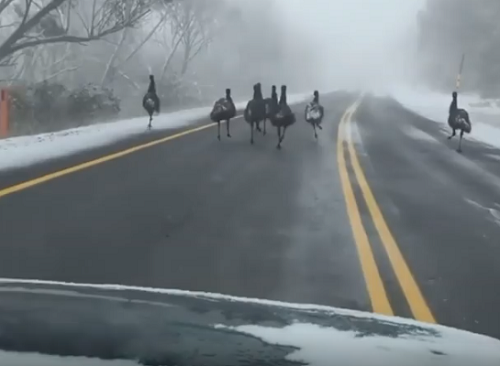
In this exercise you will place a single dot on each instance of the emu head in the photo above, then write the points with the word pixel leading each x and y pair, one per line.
pixel 257 91
pixel 283 90
pixel 228 93
pixel 283 95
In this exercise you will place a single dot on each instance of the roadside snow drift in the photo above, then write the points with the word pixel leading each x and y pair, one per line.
pixel 485 115
pixel 27 150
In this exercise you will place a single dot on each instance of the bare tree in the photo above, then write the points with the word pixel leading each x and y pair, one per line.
pixel 114 63
pixel 190 28
pixel 63 21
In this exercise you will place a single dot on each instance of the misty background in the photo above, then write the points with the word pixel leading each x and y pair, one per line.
pixel 69 63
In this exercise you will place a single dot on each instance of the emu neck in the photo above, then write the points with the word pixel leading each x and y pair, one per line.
pixel 453 105
pixel 152 87
pixel 283 99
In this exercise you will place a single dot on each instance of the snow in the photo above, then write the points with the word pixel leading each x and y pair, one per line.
pixel 318 345
pixel 434 106
pixel 216 296
pixel 420 135
pixel 28 150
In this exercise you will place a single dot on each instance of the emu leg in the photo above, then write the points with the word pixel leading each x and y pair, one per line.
pixel 460 141
pixel 279 138
pixel 315 133
pixel 251 132
pixel 452 134
pixel 150 121
pixel 264 132
pixel 282 137
pixel 218 130
pixel 228 128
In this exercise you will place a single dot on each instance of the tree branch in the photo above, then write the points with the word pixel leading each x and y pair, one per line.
pixel 4 4
pixel 6 48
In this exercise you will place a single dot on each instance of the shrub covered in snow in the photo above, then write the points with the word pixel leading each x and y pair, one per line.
pixel 92 102
pixel 49 106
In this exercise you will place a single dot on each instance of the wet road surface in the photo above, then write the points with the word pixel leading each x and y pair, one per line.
pixel 384 216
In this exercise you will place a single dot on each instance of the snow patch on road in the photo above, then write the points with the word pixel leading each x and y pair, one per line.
pixel 23 151
pixel 417 134
pixel 494 213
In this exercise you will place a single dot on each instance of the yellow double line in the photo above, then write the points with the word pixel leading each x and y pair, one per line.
pixel 375 286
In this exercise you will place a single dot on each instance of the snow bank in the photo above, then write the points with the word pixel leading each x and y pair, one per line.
pixel 27 150
pixel 317 346
pixel 434 106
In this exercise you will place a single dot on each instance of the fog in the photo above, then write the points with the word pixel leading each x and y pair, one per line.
pixel 323 44
pixel 357 44
pixel 314 44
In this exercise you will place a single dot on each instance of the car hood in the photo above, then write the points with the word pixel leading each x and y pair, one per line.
pixel 51 323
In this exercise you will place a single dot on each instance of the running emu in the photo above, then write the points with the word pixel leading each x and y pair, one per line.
pixel 151 102
pixel 255 110
pixel 224 109
pixel 458 119
pixel 271 106
pixel 284 118
pixel 314 113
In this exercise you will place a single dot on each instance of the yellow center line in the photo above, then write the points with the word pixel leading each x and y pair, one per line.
pixel 411 290
pixel 106 158
pixel 376 291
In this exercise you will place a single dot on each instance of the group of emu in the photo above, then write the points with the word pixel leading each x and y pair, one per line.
pixel 259 109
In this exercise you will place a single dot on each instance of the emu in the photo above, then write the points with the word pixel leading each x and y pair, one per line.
pixel 255 111
pixel 284 118
pixel 314 113
pixel 223 110
pixel 458 119
pixel 151 102
pixel 271 106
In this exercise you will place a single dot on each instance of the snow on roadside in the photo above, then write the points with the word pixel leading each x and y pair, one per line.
pixel 434 106
pixel 27 150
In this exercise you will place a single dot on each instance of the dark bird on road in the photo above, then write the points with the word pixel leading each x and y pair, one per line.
pixel 284 118
pixel 271 106
pixel 314 113
pixel 255 110
pixel 223 110
pixel 151 102
pixel 458 119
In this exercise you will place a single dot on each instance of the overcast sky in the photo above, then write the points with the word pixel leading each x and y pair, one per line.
pixel 359 43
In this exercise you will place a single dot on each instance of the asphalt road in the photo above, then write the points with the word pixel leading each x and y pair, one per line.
pixel 384 216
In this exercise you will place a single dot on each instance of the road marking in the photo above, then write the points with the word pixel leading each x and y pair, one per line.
pixel 91 163
pixel 411 290
pixel 376 291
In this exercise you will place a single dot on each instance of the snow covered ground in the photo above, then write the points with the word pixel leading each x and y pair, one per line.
pixel 432 105
pixel 27 150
